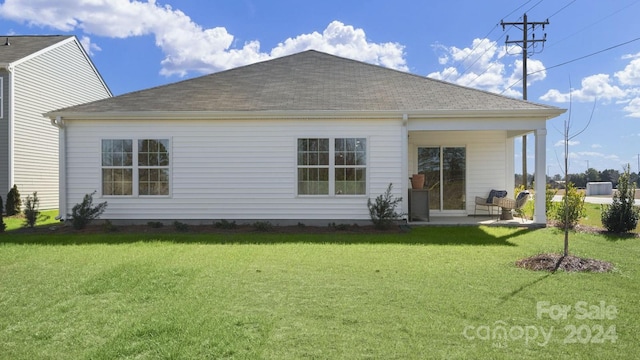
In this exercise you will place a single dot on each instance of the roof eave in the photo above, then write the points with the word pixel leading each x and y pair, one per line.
pixel 547 113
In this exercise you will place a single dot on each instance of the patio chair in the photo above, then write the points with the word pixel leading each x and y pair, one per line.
pixel 489 201
pixel 508 205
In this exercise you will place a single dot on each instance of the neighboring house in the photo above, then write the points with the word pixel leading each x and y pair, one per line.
pixel 305 138
pixel 39 74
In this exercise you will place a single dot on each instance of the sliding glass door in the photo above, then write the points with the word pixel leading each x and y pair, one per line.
pixel 445 173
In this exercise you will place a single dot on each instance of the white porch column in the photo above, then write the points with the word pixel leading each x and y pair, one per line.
pixel 539 216
pixel 404 183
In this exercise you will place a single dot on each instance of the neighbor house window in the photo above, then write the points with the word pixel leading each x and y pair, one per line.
pixel 145 160
pixel 332 166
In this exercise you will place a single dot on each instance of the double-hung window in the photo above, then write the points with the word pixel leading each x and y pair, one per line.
pixel 336 166
pixel 135 167
pixel 153 167
pixel 313 166
pixel 117 167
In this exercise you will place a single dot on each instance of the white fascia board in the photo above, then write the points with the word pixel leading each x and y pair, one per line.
pixel 313 114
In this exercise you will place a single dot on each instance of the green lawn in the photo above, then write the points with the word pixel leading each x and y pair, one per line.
pixel 593 217
pixel 47 217
pixel 431 293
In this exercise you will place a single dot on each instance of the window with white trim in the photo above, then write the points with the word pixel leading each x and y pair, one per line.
pixel 313 166
pixel 332 166
pixel 145 160
pixel 117 167
pixel 153 167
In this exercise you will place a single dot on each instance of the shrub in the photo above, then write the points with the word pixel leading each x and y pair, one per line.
pixel 383 210
pixel 339 227
pixel 31 210
pixel 109 227
pixel 225 224
pixel 14 202
pixel 155 224
pixel 263 226
pixel 3 226
pixel 82 214
pixel 180 226
pixel 574 205
pixel 622 216
pixel 548 199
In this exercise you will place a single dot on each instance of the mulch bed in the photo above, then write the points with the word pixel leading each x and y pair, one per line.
pixel 554 262
pixel 210 229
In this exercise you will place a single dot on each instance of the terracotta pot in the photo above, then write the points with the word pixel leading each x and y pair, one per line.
pixel 417 181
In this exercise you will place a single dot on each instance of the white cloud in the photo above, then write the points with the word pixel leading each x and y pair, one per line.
pixel 487 66
pixel 622 88
pixel 88 46
pixel 633 108
pixel 185 44
pixel 593 87
pixel 596 146
pixel 631 73
pixel 630 56
pixel 571 143
pixel 346 41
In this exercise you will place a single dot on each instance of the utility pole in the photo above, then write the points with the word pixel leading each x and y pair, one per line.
pixel 526 44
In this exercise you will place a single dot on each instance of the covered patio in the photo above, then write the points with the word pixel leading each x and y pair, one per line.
pixel 462 162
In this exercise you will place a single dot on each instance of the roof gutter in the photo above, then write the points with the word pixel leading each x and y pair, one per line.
pixel 297 114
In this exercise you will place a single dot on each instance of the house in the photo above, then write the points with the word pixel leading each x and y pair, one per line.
pixel 39 74
pixel 306 138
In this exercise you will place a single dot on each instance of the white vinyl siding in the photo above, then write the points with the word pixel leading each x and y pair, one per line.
pixel 240 169
pixel 486 155
pixel 1 98
pixel 57 78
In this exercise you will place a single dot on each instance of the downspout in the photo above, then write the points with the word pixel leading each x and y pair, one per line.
pixel 62 168
pixel 404 134
pixel 10 125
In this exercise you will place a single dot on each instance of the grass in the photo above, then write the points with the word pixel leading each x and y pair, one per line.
pixel 434 292
pixel 47 217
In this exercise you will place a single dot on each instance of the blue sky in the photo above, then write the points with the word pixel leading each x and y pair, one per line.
pixel 140 44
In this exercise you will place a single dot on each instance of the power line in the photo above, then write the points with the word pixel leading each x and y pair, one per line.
pixel 534 6
pixel 494 63
pixel 472 51
pixel 590 25
pixel 488 67
pixel 518 8
pixel 525 44
pixel 564 7
pixel 481 42
pixel 574 60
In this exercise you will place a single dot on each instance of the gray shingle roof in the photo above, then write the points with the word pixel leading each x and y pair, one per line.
pixel 308 81
pixel 23 46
